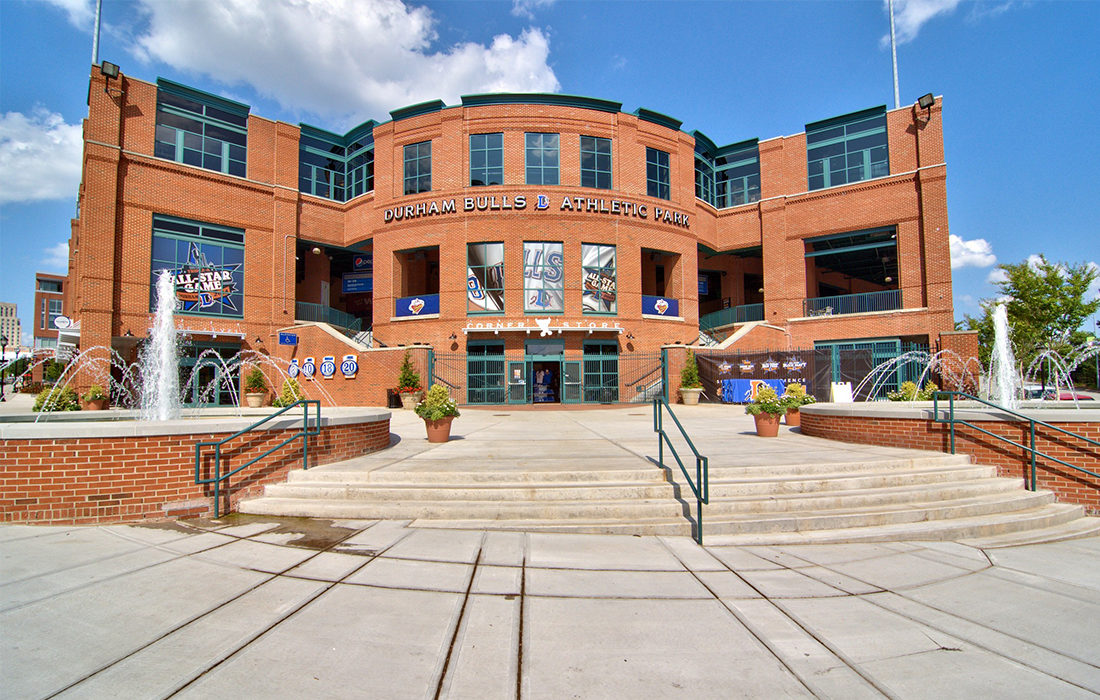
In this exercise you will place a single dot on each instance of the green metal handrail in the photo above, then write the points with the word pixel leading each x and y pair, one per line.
pixel 701 486
pixel 218 477
pixel 950 395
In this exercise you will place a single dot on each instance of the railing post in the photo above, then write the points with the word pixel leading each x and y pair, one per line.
pixel 305 436
pixel 217 480
pixel 951 417
pixel 1033 487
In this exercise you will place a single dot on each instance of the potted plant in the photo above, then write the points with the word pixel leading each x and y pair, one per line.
pixel 438 410
pixel 408 384
pixel 690 386
pixel 290 394
pixel 794 398
pixel 94 399
pixel 255 388
pixel 766 408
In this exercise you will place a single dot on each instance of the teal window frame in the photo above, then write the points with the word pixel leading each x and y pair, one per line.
pixel 704 180
pixel 542 158
pixel 544 271
pixel 360 167
pixel 737 177
pixel 601 371
pixel 595 162
pixel 473 309
pixel 847 149
pixel 211 237
pixel 486 372
pixel 600 271
pixel 330 167
pixel 418 167
pixel 202 130
pixel 486 159
pixel 657 173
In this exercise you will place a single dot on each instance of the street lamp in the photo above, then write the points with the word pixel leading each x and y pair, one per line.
pixel 3 365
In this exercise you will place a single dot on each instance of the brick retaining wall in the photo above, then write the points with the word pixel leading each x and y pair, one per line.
pixel 112 479
pixel 1069 486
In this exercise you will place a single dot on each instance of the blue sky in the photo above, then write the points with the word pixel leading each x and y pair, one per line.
pixel 1019 81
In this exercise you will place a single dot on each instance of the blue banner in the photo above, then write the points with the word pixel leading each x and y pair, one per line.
pixel 744 390
pixel 363 262
pixel 420 305
pixel 704 285
pixel 660 306
pixel 358 282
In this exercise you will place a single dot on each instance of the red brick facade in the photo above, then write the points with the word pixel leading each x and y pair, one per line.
pixel 1069 485
pixel 101 480
pixel 124 185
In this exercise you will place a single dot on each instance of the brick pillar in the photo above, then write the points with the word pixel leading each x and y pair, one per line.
pixel 677 358
pixel 961 360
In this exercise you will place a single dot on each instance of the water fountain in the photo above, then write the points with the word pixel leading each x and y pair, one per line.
pixel 160 395
pixel 1004 381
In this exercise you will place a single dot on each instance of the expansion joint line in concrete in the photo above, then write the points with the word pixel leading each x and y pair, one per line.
pixel 458 622
pixel 763 638
pixel 522 604
pixel 239 596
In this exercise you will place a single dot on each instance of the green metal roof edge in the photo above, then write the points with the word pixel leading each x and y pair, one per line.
pixel 190 92
pixel 316 132
pixel 657 118
pixel 704 141
pixel 735 147
pixel 355 132
pixel 541 98
pixel 417 109
pixel 851 117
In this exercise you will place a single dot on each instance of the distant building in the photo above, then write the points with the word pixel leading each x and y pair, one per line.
pixel 49 304
pixel 10 326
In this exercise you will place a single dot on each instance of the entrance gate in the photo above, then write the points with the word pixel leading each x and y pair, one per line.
pixel 547 374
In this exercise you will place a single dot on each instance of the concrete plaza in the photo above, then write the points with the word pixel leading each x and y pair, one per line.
pixel 261 607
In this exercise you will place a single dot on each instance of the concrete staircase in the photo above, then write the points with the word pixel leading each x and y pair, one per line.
pixel 921 497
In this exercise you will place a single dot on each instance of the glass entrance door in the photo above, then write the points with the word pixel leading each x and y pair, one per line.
pixel 205 375
pixel 543 360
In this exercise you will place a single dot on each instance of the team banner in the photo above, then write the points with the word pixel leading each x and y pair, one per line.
pixel 543 277
pixel 660 306
pixel 727 376
pixel 598 265
pixel 420 305
pixel 485 276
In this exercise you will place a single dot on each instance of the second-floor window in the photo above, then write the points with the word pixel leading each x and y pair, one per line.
pixel 418 167
pixel 596 162
pixel 201 130
pixel 847 149
pixel 657 173
pixel 486 159
pixel 542 156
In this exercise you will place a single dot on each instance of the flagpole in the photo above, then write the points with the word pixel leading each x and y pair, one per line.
pixel 893 50
pixel 95 34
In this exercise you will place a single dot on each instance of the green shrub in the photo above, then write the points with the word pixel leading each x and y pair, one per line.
pixel 291 393
pixel 689 375
pixel 795 397
pixel 94 393
pixel 255 382
pixel 437 404
pixel 908 391
pixel 408 381
pixel 766 401
pixel 56 399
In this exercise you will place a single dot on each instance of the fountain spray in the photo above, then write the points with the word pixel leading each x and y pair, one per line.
pixel 160 398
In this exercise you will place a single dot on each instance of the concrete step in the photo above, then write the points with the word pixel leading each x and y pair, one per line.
pixel 1074 529
pixel 662 512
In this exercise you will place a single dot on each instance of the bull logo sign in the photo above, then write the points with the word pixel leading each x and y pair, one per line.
pixel 416 305
pixel 661 305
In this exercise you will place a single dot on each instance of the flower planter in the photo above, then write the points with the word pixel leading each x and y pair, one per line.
pixel 767 424
pixel 254 400
pixel 409 400
pixel 793 418
pixel 439 430
pixel 94 405
pixel 690 397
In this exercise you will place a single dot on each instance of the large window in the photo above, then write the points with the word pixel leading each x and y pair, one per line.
pixel 206 261
pixel 847 149
pixel 596 162
pixel 200 129
pixel 737 177
pixel 329 168
pixel 418 167
pixel 598 273
pixel 49 286
pixel 543 277
pixel 360 166
pixel 657 173
pixel 485 278
pixel 486 159
pixel 51 309
pixel 542 158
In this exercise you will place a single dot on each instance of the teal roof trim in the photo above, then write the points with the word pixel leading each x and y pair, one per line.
pixel 319 133
pixel 736 147
pixel 364 129
pixel 417 109
pixel 193 94
pixel 703 144
pixel 541 98
pixel 657 118
pixel 845 118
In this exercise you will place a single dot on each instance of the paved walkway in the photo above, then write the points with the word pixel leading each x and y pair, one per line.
pixel 257 607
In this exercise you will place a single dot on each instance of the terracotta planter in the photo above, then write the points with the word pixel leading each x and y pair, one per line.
pixel 439 430
pixel 794 418
pixel 409 401
pixel 690 397
pixel 767 424
pixel 94 405
pixel 254 400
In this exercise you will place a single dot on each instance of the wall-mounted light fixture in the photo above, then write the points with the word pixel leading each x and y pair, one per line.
pixel 316 250
pixel 109 71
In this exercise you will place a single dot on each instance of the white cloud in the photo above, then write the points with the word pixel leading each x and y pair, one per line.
pixel 973 253
pixel 39 157
pixel 526 8
pixel 56 258
pixel 81 13
pixel 997 275
pixel 911 15
pixel 340 59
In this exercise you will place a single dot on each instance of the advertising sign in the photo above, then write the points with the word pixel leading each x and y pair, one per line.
pixel 598 273
pixel 660 306
pixel 363 262
pixel 704 285
pixel 485 276
pixel 358 282
pixel 421 305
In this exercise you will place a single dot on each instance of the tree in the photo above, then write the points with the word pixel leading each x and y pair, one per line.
pixel 1045 304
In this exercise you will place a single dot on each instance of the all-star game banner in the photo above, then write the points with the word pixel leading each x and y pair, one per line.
pixel 206 263
pixel 734 377
pixel 598 271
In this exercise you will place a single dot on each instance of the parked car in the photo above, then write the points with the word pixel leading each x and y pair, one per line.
pixel 1071 395
pixel 1036 391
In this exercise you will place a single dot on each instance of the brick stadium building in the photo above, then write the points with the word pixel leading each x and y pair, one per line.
pixel 527 247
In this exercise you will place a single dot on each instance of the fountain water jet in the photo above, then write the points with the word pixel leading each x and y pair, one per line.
pixel 160 395
pixel 1004 380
